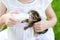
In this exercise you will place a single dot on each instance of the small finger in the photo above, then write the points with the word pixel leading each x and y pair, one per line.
pixel 36 26
pixel 13 20
pixel 13 12
pixel 37 30
pixel 10 24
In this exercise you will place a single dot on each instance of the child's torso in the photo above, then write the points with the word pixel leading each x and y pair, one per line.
pixel 16 33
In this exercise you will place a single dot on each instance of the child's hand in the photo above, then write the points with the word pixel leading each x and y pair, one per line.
pixel 8 18
pixel 41 26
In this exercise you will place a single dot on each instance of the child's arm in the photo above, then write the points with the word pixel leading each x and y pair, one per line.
pixel 6 18
pixel 43 24
pixel 51 16
pixel 3 10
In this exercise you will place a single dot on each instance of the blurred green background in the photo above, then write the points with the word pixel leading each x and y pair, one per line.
pixel 56 7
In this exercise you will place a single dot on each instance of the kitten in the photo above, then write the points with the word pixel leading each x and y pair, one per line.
pixel 33 18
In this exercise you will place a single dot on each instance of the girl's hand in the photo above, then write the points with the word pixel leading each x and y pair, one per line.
pixel 41 26
pixel 8 18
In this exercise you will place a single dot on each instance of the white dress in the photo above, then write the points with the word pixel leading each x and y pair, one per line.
pixel 16 32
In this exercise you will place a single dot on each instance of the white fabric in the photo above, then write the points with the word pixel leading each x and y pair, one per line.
pixel 3 35
pixel 16 32
pixel 29 35
pixel 21 16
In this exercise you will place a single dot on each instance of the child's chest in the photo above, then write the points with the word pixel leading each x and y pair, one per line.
pixel 25 8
